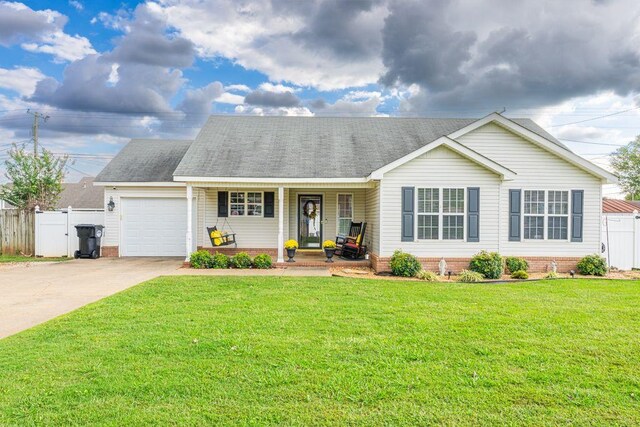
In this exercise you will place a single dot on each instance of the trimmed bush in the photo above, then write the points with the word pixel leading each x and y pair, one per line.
pixel 468 276
pixel 489 264
pixel 262 261
pixel 428 276
pixel 200 259
pixel 520 274
pixel 592 265
pixel 552 275
pixel 404 264
pixel 220 261
pixel 516 264
pixel 241 260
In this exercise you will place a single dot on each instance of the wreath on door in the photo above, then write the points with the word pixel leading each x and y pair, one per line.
pixel 310 210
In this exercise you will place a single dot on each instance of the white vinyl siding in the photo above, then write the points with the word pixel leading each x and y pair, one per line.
pixel 440 168
pixel 372 211
pixel 251 231
pixel 538 169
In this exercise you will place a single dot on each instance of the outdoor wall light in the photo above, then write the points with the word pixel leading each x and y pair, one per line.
pixel 572 273
pixel 111 205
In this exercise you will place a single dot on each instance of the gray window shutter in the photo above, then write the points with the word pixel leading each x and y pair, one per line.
pixel 473 214
pixel 223 204
pixel 577 210
pixel 408 213
pixel 514 215
pixel 269 204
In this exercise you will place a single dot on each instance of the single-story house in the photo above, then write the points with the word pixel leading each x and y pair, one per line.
pixel 431 187
pixel 621 233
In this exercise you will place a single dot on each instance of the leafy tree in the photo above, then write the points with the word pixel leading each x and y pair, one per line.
pixel 35 180
pixel 626 162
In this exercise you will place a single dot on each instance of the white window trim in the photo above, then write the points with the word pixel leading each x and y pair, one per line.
pixel 353 209
pixel 546 215
pixel 441 214
pixel 246 203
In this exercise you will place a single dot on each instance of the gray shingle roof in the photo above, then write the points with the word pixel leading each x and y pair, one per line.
pixel 145 160
pixel 312 147
pixel 81 195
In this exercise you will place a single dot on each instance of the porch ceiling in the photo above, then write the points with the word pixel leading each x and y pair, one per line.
pixel 369 184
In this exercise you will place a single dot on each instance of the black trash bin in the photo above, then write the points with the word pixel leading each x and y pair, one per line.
pixel 90 235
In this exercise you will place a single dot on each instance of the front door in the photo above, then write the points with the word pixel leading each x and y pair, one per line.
pixel 310 221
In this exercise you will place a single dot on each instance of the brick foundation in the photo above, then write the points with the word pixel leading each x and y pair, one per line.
pixel 536 264
pixel 110 251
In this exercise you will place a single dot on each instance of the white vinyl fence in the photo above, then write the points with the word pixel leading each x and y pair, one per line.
pixel 55 230
pixel 621 239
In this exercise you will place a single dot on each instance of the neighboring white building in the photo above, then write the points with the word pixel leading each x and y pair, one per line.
pixel 431 187
pixel 621 234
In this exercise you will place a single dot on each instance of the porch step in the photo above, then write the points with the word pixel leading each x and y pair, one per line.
pixel 322 264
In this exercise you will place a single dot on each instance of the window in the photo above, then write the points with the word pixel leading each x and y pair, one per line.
pixel 245 203
pixel 533 214
pixel 345 213
pixel 441 213
pixel 558 210
pixel 428 213
pixel 546 207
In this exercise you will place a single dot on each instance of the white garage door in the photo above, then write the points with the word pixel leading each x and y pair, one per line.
pixel 154 226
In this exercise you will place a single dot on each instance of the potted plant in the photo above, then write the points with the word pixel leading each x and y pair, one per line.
pixel 291 246
pixel 329 247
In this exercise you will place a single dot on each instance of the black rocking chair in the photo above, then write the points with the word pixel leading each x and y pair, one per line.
pixel 353 246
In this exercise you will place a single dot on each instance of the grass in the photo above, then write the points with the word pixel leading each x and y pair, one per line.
pixel 5 258
pixel 296 351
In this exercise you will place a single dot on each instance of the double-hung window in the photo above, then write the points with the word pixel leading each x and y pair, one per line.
pixel 548 209
pixel 440 213
pixel 428 213
pixel 345 213
pixel 533 214
pixel 245 203
pixel 558 210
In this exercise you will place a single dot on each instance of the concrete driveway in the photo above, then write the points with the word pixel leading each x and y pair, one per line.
pixel 34 293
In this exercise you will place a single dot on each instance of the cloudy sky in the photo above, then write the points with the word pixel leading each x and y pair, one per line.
pixel 108 71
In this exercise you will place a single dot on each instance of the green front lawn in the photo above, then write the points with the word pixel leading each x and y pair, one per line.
pixel 22 258
pixel 310 351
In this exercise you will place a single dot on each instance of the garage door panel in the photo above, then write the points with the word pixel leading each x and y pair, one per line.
pixel 153 226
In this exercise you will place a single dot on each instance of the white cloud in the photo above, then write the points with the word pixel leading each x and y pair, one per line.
pixel 230 98
pixel 237 88
pixel 258 37
pixel 279 111
pixel 62 46
pixel 76 5
pixel 277 88
pixel 22 80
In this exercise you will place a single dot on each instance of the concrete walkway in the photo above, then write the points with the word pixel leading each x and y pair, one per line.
pixel 32 293
pixel 36 292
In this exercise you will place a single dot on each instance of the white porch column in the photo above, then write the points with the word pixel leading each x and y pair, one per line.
pixel 280 224
pixel 189 221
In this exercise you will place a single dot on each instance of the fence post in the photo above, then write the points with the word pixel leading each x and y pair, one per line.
pixel 69 212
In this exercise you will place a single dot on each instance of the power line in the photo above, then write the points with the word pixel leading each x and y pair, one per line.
pixel 596 118
pixel 589 142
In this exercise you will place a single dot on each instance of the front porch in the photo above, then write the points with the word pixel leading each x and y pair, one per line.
pixel 263 217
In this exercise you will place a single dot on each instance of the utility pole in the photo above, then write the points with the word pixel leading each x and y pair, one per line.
pixel 36 120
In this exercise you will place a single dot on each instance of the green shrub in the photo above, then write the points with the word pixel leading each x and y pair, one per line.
pixel 241 260
pixel 220 261
pixel 516 264
pixel 552 275
pixel 200 259
pixel 592 265
pixel 469 276
pixel 489 264
pixel 262 261
pixel 404 264
pixel 427 275
pixel 519 274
